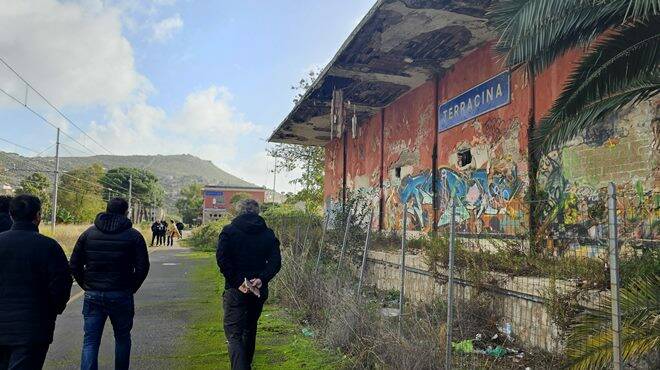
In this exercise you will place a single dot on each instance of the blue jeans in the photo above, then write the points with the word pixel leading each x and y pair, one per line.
pixel 98 306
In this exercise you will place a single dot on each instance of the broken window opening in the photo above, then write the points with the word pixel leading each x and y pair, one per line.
pixel 397 172
pixel 464 157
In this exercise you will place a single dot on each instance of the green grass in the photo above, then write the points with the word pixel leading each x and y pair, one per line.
pixel 280 343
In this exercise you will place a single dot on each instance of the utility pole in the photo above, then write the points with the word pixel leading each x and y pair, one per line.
pixel 130 195
pixel 56 180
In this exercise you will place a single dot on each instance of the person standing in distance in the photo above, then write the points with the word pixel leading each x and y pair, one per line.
pixel 110 262
pixel 155 227
pixel 249 257
pixel 5 218
pixel 35 285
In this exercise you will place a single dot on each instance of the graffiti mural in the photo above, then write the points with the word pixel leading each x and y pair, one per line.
pixel 417 192
pixel 483 203
pixel 573 184
pixel 482 199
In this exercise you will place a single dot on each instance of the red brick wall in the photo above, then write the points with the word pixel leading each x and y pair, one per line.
pixel 492 186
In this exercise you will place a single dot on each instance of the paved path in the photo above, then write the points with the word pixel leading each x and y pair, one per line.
pixel 161 316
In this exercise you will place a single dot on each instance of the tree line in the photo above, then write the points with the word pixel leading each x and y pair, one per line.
pixel 83 191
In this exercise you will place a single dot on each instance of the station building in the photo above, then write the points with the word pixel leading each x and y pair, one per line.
pixel 217 199
pixel 416 107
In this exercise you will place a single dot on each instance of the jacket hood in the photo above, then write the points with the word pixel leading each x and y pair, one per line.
pixel 111 223
pixel 250 223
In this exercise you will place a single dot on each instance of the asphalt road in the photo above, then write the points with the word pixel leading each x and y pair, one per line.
pixel 160 321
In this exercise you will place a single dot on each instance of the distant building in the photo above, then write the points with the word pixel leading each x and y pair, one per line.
pixel 217 199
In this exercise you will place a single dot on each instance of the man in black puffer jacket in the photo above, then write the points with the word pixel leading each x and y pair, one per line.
pixel 35 284
pixel 249 257
pixel 110 262
pixel 5 219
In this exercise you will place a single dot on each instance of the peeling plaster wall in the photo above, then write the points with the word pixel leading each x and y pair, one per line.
pixel 363 161
pixel 492 187
pixel 409 130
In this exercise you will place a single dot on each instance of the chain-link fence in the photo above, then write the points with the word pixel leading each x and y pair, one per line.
pixel 470 297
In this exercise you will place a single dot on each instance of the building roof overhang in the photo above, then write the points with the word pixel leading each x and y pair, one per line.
pixel 398 45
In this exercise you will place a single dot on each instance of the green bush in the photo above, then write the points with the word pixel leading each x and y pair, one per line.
pixel 205 238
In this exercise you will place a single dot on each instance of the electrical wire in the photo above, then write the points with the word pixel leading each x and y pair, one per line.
pixel 47 121
pixel 19 145
pixel 53 106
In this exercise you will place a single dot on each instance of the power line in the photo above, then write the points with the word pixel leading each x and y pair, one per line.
pixel 18 145
pixel 54 107
pixel 46 120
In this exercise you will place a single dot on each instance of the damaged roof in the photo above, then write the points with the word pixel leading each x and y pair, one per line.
pixel 397 46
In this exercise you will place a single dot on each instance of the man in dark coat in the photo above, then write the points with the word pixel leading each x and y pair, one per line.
pixel 162 230
pixel 110 262
pixel 155 227
pixel 5 219
pixel 35 285
pixel 249 257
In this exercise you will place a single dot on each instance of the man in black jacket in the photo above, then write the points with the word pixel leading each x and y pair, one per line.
pixel 35 285
pixel 5 219
pixel 249 257
pixel 155 228
pixel 110 262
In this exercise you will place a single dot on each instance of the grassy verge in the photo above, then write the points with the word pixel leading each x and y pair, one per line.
pixel 280 344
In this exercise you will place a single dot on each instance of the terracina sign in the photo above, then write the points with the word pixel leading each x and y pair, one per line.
pixel 483 98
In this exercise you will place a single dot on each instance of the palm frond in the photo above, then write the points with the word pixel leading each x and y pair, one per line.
pixel 589 344
pixel 537 32
pixel 558 128
pixel 624 55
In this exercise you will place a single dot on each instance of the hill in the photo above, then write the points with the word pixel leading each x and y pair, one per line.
pixel 174 171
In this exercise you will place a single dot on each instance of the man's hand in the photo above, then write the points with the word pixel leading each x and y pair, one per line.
pixel 243 289
pixel 256 282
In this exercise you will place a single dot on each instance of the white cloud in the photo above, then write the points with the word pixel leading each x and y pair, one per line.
pixel 166 28
pixel 206 125
pixel 74 53
pixel 209 112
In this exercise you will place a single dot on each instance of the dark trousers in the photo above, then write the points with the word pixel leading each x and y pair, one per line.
pixel 153 238
pixel 170 240
pixel 97 307
pixel 23 357
pixel 160 239
pixel 242 312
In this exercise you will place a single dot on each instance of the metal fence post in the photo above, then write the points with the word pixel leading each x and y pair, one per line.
pixel 364 254
pixel 614 277
pixel 450 285
pixel 304 243
pixel 343 244
pixel 297 247
pixel 322 242
pixel 402 297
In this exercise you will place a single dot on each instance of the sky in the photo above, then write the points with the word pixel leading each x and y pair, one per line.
pixel 211 78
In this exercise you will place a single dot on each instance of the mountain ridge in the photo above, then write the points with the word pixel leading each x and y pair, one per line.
pixel 173 171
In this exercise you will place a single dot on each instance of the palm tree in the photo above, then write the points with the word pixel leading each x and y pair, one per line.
pixel 620 67
pixel 589 344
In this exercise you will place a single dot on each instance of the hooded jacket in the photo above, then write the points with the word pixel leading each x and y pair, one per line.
pixel 35 284
pixel 248 249
pixel 5 222
pixel 110 256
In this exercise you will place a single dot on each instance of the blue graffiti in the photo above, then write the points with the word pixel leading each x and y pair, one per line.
pixel 474 193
